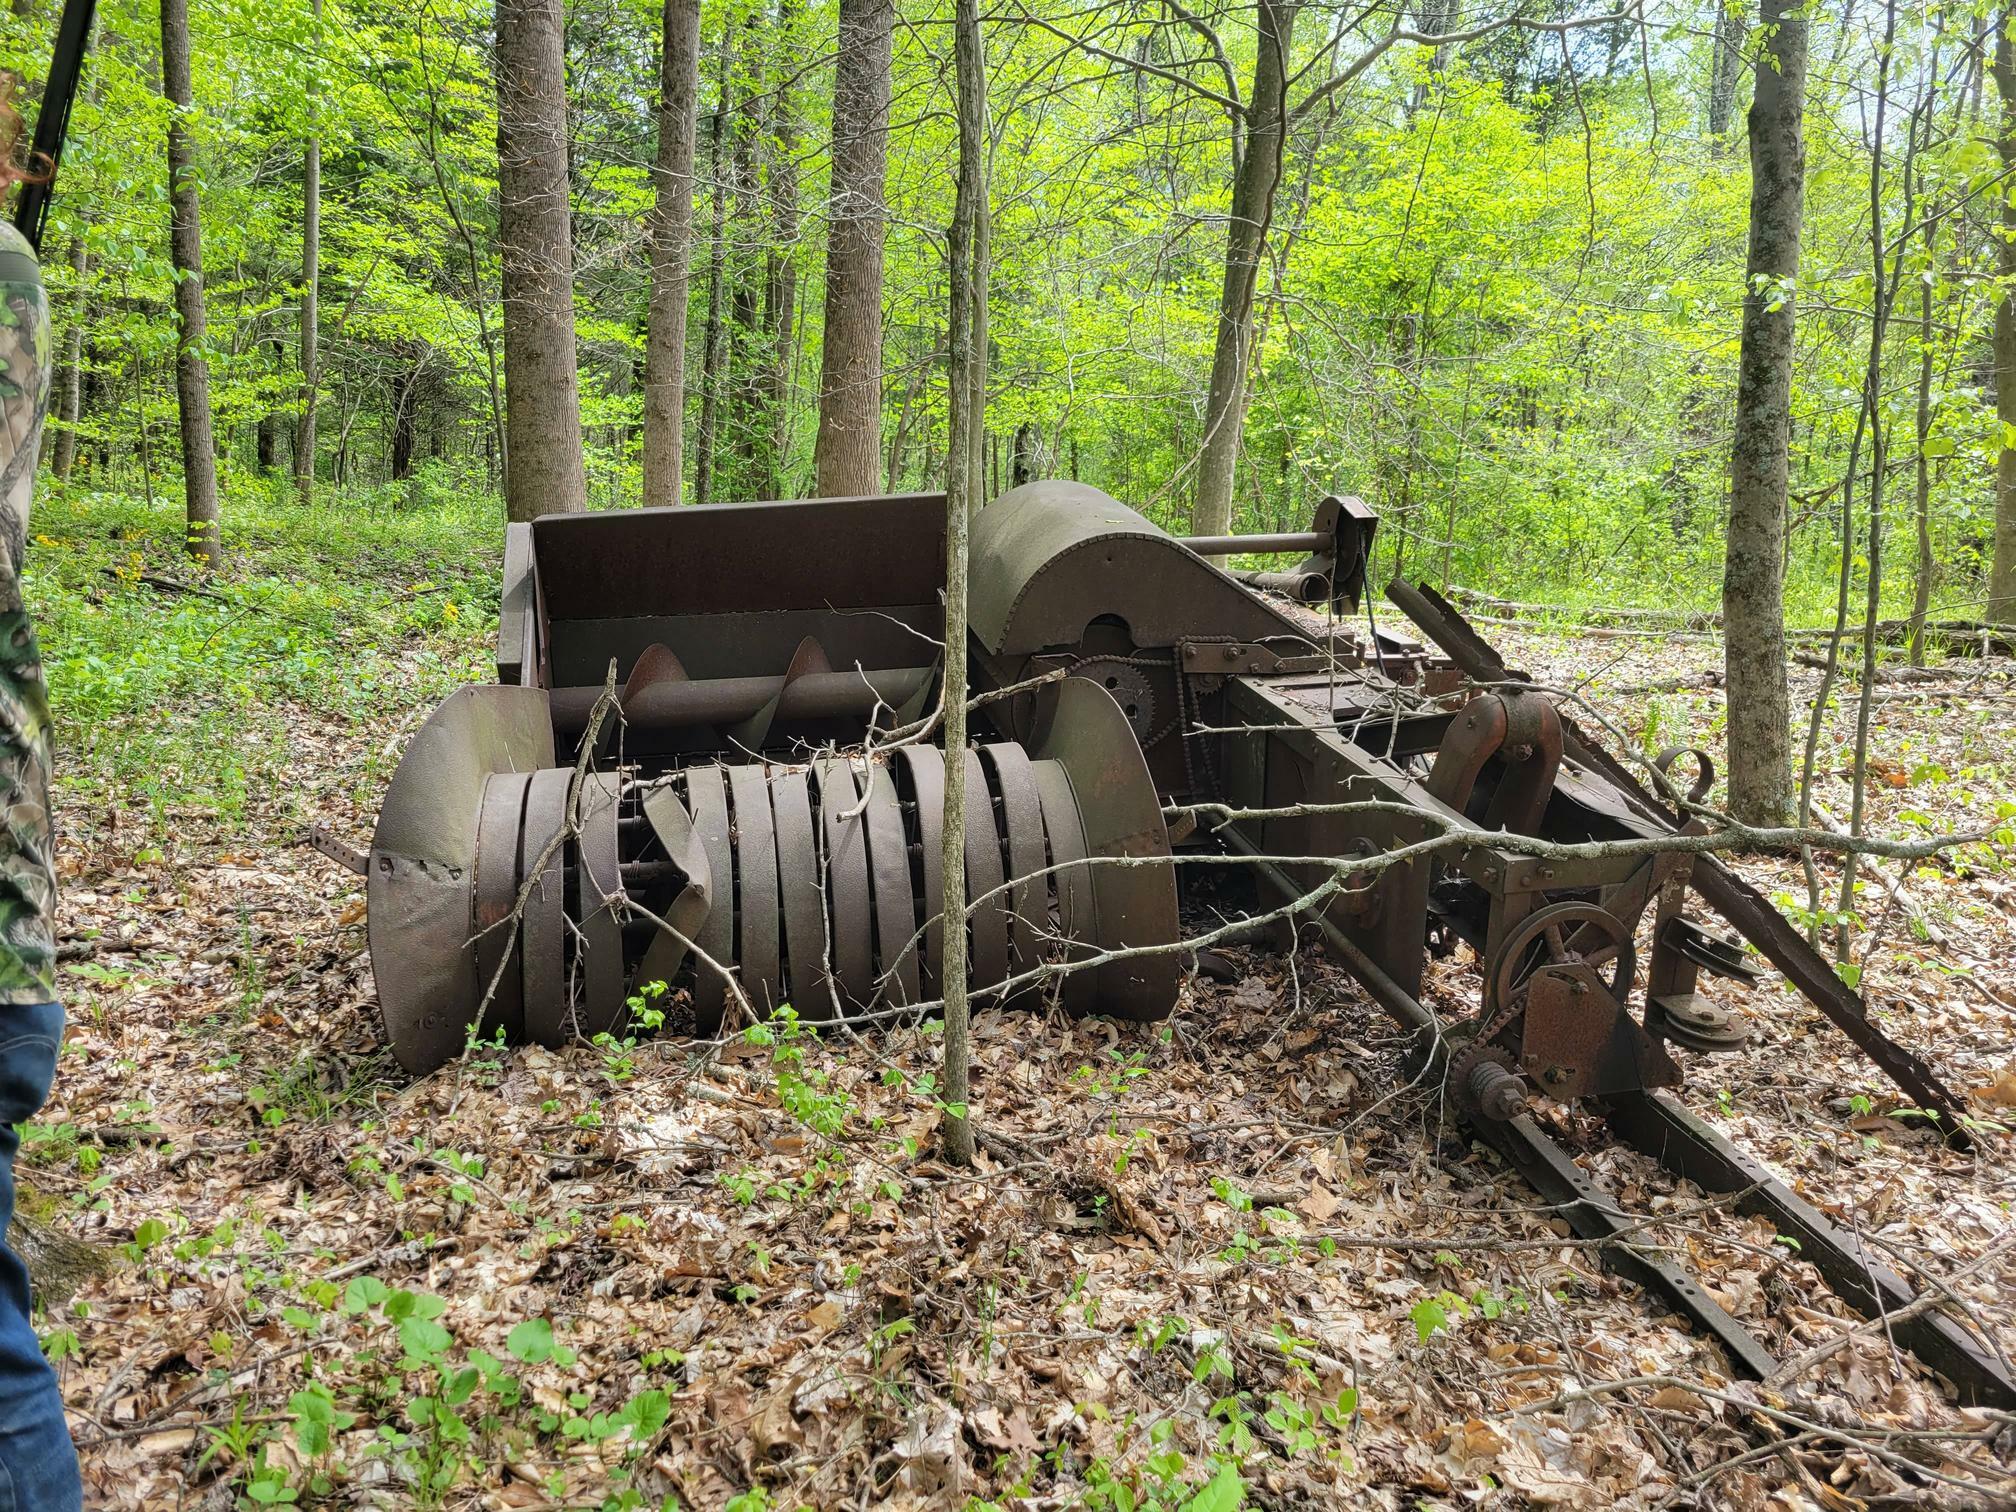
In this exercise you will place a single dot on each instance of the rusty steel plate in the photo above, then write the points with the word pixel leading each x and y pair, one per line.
pixel 1088 734
pixel 986 899
pixel 809 659
pixel 846 849
pixel 707 797
pixel 543 949
pixel 600 1007
pixel 1028 896
pixel 499 976
pixel 1077 906
pixel 804 904
pixel 889 873
pixel 759 949
pixel 687 911
pixel 924 770
pixel 423 857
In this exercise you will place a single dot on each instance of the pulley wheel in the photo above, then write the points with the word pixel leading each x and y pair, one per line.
pixel 924 767
pixel 1543 939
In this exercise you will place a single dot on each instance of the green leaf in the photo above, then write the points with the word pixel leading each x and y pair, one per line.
pixel 1430 1317
pixel 531 1342
pixel 1225 1492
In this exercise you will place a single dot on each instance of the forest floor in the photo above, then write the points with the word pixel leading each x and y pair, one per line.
pixel 1233 1253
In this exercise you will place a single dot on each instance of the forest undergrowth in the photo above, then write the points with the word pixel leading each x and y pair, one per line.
pixel 1235 1256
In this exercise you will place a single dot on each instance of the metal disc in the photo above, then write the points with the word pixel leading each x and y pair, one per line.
pixel 1028 896
pixel 804 907
pixel 673 828
pixel 497 933
pixel 707 798
pixel 760 948
pixel 986 921
pixel 544 948
pixel 924 767
pixel 423 863
pixel 1077 904
pixel 889 871
pixel 846 841
pixel 600 1008
pixel 1087 732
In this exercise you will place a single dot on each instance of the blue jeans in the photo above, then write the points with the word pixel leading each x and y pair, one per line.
pixel 38 1464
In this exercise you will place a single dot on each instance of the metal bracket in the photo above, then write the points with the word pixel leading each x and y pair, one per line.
pixel 346 856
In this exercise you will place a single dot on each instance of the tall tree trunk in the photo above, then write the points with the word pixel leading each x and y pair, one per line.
pixel 1253 185
pixel 1732 27
pixel 1753 575
pixel 267 442
pixel 1028 441
pixel 185 250
pixel 542 412
pixel 713 349
pixel 405 407
pixel 671 233
pixel 847 455
pixel 780 303
pixel 2002 574
pixel 311 308
pixel 70 393
pixel 967 244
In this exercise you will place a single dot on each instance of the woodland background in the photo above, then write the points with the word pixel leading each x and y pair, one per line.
pixel 1500 297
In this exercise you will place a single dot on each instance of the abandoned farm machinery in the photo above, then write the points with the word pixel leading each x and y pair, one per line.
pixel 708 762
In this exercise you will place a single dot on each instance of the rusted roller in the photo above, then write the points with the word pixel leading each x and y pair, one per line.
pixel 889 872
pixel 500 979
pixel 600 949
pixel 759 943
pixel 543 948
pixel 707 799
pixel 986 899
pixel 806 958
pixel 1077 906
pixel 1028 899
pixel 923 769
pixel 845 841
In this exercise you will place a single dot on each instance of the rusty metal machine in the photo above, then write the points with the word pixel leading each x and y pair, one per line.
pixel 706 762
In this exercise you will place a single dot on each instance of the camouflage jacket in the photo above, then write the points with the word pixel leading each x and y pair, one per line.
pixel 27 856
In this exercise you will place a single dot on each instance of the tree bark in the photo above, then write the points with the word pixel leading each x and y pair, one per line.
pixel 2002 572
pixel 967 384
pixel 311 309
pixel 713 349
pixel 780 299
pixel 70 401
pixel 671 233
pixel 1732 27
pixel 847 453
pixel 1255 177
pixel 542 410
pixel 1753 575
pixel 185 250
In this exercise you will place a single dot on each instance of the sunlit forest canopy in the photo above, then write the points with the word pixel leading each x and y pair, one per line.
pixel 1499 297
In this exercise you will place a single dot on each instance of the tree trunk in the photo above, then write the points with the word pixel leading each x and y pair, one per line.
pixel 2002 574
pixel 671 234
pixel 70 400
pixel 266 442
pixel 185 250
pixel 1732 28
pixel 847 454
pixel 1253 184
pixel 713 349
pixel 1753 576
pixel 1027 443
pixel 311 333
pixel 542 410
pixel 780 303
pixel 967 383
pixel 405 403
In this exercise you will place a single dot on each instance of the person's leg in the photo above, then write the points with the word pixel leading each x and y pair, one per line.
pixel 38 1464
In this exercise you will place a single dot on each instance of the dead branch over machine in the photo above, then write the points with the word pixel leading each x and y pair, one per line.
pixel 706 763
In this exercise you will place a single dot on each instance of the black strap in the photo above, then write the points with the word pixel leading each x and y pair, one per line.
pixel 73 35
